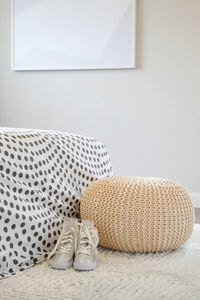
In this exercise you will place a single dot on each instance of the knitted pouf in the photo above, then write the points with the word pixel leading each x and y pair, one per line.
pixel 137 214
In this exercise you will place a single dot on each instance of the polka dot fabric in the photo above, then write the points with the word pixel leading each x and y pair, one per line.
pixel 43 175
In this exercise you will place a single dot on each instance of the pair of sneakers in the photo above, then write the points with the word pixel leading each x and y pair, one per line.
pixel 77 246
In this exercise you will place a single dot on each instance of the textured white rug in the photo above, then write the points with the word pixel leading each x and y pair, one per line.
pixel 169 275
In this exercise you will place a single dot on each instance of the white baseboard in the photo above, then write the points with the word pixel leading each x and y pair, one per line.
pixel 196 199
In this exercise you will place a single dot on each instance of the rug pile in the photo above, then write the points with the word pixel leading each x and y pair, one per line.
pixel 169 275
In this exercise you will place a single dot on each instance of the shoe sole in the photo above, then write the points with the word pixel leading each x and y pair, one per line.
pixel 58 267
pixel 85 268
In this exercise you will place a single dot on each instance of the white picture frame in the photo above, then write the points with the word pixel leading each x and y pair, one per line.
pixel 73 34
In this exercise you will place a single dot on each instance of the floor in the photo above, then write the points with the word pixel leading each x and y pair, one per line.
pixel 166 275
pixel 197 215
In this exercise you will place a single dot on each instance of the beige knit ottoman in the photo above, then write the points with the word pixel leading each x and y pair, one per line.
pixel 139 214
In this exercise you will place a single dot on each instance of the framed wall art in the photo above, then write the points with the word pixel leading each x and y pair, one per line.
pixel 73 34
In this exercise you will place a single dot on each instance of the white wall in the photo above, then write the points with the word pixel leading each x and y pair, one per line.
pixel 149 117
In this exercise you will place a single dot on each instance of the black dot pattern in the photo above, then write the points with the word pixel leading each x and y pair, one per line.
pixel 43 175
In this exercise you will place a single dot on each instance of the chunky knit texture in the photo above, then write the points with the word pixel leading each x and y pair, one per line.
pixel 137 214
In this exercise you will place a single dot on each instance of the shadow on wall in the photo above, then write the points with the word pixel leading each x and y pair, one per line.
pixel 139 43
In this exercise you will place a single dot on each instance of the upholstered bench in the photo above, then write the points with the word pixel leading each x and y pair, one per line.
pixel 137 214
pixel 43 175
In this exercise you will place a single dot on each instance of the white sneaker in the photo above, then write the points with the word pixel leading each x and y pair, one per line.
pixel 86 255
pixel 66 246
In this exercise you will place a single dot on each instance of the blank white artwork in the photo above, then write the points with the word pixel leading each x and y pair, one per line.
pixel 73 34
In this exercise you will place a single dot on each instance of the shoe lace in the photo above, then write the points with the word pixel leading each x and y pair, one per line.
pixel 87 244
pixel 64 243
